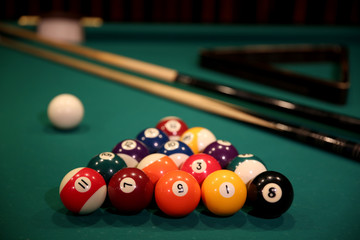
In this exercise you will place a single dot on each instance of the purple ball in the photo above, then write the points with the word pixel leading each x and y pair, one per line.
pixel 131 150
pixel 223 151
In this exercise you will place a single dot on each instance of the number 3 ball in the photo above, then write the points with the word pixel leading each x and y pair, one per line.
pixel 198 138
pixel 223 193
pixel 270 194
pixel 83 190
pixel 130 190
pixel 177 193
pixel 200 166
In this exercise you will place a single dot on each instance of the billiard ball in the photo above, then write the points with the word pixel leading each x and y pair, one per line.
pixel 172 126
pixel 197 138
pixel 177 193
pixel 247 166
pixel 156 165
pixel 83 190
pixel 153 139
pixel 107 164
pixel 200 166
pixel 221 150
pixel 270 194
pixel 177 151
pixel 130 190
pixel 65 111
pixel 223 193
pixel 131 150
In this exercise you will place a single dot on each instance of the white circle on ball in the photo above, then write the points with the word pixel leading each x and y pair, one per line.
pixel 128 144
pixel 227 189
pixel 82 184
pixel 172 125
pixel 199 166
pixel 272 192
pixel 171 145
pixel 107 155
pixel 224 143
pixel 188 137
pixel 151 133
pixel 65 111
pixel 180 188
pixel 127 185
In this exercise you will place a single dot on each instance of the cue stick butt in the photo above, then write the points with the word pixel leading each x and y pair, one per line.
pixel 214 106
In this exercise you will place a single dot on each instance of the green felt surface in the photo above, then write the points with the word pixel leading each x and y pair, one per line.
pixel 34 156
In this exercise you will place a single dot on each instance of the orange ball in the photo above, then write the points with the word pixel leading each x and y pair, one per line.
pixel 177 193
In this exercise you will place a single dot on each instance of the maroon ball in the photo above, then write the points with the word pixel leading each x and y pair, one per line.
pixel 130 190
pixel 131 151
pixel 223 151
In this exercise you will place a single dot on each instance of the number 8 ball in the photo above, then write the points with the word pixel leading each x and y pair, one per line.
pixel 270 195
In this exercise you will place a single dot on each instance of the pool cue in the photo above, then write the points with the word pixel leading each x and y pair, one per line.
pixel 339 146
pixel 173 76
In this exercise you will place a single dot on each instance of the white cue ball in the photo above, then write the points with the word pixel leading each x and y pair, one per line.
pixel 65 111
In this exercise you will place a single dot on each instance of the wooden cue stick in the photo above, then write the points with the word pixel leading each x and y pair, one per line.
pixel 336 145
pixel 171 75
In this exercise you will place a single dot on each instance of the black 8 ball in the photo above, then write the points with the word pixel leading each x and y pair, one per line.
pixel 270 194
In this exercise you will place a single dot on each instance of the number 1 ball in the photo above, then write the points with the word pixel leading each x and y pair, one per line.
pixel 130 190
pixel 223 193
pixel 177 193
pixel 270 195
pixel 83 190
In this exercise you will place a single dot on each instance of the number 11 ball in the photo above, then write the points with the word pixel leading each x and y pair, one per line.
pixel 83 190
pixel 130 190
pixel 270 195
pixel 65 111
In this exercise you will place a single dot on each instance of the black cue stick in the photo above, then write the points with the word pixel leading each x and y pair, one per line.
pixel 329 118
pixel 171 75
pixel 339 146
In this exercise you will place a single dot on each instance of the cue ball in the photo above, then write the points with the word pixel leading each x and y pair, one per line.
pixel 65 111
pixel 177 193
pixel 223 193
pixel 270 195
pixel 130 190
pixel 83 190
pixel 197 138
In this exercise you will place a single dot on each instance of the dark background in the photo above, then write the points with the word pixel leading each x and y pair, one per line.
pixel 319 12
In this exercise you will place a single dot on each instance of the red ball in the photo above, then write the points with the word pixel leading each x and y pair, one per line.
pixel 177 193
pixel 130 190
pixel 82 190
pixel 200 166
pixel 174 127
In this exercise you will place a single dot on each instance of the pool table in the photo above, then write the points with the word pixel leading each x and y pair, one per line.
pixel 35 156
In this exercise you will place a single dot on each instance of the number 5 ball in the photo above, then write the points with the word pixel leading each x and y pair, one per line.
pixel 270 195
pixel 83 190
pixel 177 193
pixel 223 193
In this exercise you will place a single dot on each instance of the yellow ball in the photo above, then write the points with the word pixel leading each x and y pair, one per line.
pixel 223 193
pixel 197 138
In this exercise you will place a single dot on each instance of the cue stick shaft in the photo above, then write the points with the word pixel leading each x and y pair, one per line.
pixel 171 75
pixel 336 145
